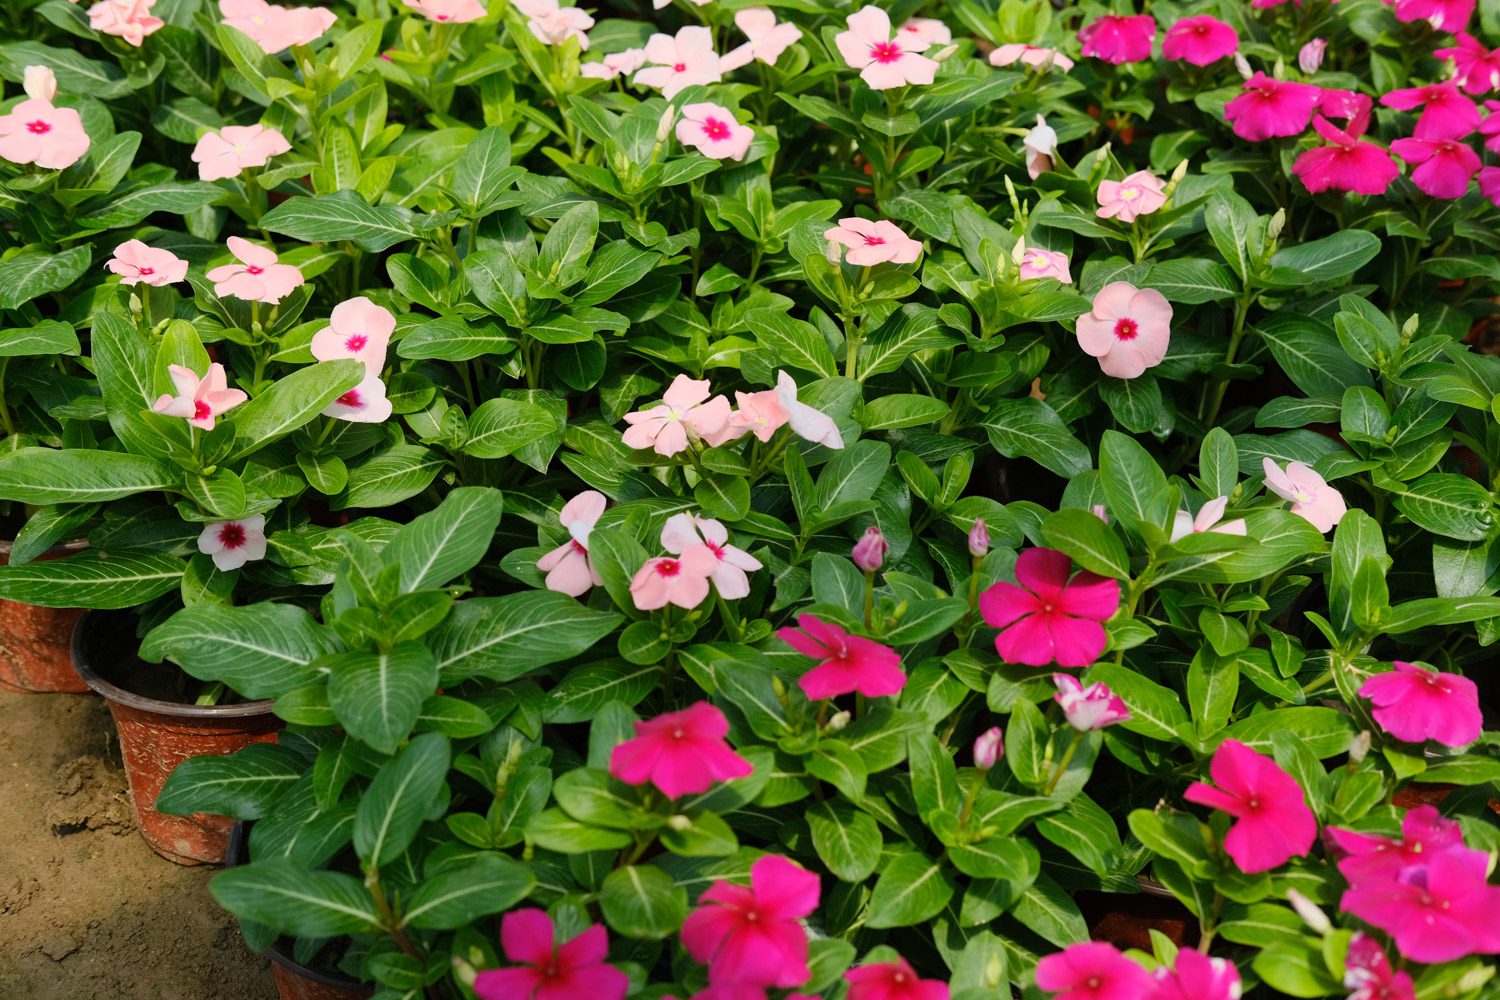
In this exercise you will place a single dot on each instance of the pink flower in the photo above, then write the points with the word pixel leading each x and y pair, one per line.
pixel 759 413
pixel 1346 104
pixel 1139 194
pixel 989 747
pixel 613 65
pixel 1208 518
pixel 926 29
pixel 849 662
pixel 1117 39
pixel 679 62
pixel 568 567
pixel 1349 164
pixel 884 61
pixel 40 83
pixel 358 329
pixel 750 934
pixel 229 151
pixel 556 26
pixel 1092 970
pixel 1039 263
pixel 1128 330
pixel 1195 976
pixel 869 552
pixel 1489 184
pixel 714 131
pixel 1310 56
pixel 1490 127
pixel 1274 821
pixel 683 582
pixel 136 263
pixel 448 11
pixel 892 981
pixel 1270 107
pixel 1200 40
pixel 1368 973
pixel 274 27
pixel 684 532
pixel 1041 148
pixel 366 403
pixel 199 402
pixel 1048 618
pixel 1030 55
pixel 768 40
pixel 1476 68
pixel 576 970
pixel 1100 511
pixel 1446 165
pixel 36 132
pixel 873 243
pixel 1435 912
pixel 257 278
pixel 1368 857
pixel 1443 15
pixel 685 405
pixel 1088 708
pixel 130 20
pixel 808 423
pixel 1446 113
pixel 1312 498
pixel 681 753
pixel 1413 705
pixel 234 543
pixel 979 539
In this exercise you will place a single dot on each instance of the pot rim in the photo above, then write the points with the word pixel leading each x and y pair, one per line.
pixel 129 699
pixel 61 548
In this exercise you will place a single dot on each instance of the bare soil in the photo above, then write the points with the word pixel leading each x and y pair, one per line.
pixel 87 910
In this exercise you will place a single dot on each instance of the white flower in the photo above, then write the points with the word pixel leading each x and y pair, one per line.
pixel 234 543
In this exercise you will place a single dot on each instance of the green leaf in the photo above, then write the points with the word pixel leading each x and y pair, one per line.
pixel 902 410
pixel 1192 280
pixel 397 801
pixel 567 245
pixel 398 473
pixel 1296 968
pixel 853 474
pixel 79 475
pixel 1328 259
pixel 555 830
pixel 1325 732
pixel 912 889
pixel 1047 910
pixel 242 785
pixel 642 901
pixel 260 650
pixel 1134 485
pixel 28 276
pixel 378 696
pixel 500 426
pixel 1154 710
pixel 435 548
pixel 1230 219
pixel 489 883
pixel 846 839
pixel 1088 541
pixel 797 343
pixel 47 337
pixel 1446 504
pixel 342 216
pixel 292 900
pixel 503 638
pixel 123 578
pixel 1030 427
pixel 451 339
pixel 1219 463
pixel 290 403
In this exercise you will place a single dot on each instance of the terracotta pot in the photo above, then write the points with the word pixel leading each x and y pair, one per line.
pixel 1126 921
pixel 156 736
pixel 34 640
pixel 295 981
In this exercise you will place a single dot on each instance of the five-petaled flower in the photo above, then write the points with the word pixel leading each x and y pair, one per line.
pixel 231 544
pixel 129 20
pixel 685 406
pixel 714 131
pixel 138 264
pixel 1117 39
pixel 680 61
pixel 614 64
pixel 1348 163
pixel 848 663
pixel 1200 40
pixel 1274 822
pixel 1413 704
pixel 1476 68
pixel 685 532
pixel 768 39
pixel 199 401
pixel 873 243
pixel 257 277
pixel 681 753
pixel 1141 193
pixel 884 61
pixel 751 934
pixel 36 132
pixel 229 151
pixel 1088 708
pixel 1039 263
pixel 1032 56
pixel 545 970
pixel 1312 498
pixel 569 568
pixel 1444 166
pixel 1045 617
pixel 366 403
pixel 1092 970
pixel 274 27
pixel 1195 976
pixel 359 329
pixel 1446 113
pixel 1128 329
pixel 1270 107
pixel 680 580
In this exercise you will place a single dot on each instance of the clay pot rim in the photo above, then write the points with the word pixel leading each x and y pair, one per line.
pixel 61 548
pixel 131 700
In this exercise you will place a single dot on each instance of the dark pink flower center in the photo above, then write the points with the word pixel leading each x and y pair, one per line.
pixel 668 567
pixel 874 241
pixel 231 535
pixel 1126 329
pixel 351 399
pixel 716 550
pixel 357 342
pixel 145 270
pixel 715 129
pixel 442 17
pixel 579 548
pixel 38 127
pixel 252 269
pixel 201 410
pixel 885 52
pixel 680 68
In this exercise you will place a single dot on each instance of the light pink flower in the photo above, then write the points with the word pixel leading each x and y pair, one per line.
pixel 1045 617
pixel 681 61
pixel 1039 263
pixel 1139 194
pixel 1312 498
pixel 685 532
pixel 807 423
pixel 1274 822
pixel 1092 970
pixel 873 243
pixel 1368 973
pixel 569 568
pixel 1128 330
pixel 1445 166
pixel 1446 113
pixel 1030 55
pixel 136 263
pixel 1476 68
pixel 36 132
pixel 681 753
pixel 849 662
pixel 234 543
pixel 926 29
pixel 1489 184
pixel 979 539
pixel 869 552
pixel 1349 164
pixel 1368 857
pixel 545 970
pixel 40 83
pixel 1443 15
pixel 884 62
pixel 989 747
pixel 1088 708
pixel 759 413
pixel 1436 912
pixel 1195 976
pixel 448 11
pixel 613 65
pixel 1310 56
pixel 229 151
pixel 1117 39
pixel 257 278
pixel 714 131
pixel 359 329
pixel 129 20
pixel 768 40
pixel 752 934
pixel 892 981
pixel 199 402
pixel 1413 705
pixel 665 580
pixel 1207 519
pixel 685 405
pixel 1041 148
pixel 366 403
pixel 555 27
pixel 1200 40
pixel 274 27
pixel 1100 511
pixel 1270 107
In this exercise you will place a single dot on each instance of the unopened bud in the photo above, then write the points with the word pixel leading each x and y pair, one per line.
pixel 1359 748
pixel 1312 915
pixel 869 552
pixel 994 969
pixel 40 83
pixel 464 972
pixel 1277 224
pixel 989 747
pixel 979 539
pixel 1243 65
pixel 834 252
pixel 1098 511
pixel 945 52
pixel 1310 57
pixel 838 722
pixel 1018 252
pixel 680 823
pixel 1409 328
pixel 664 128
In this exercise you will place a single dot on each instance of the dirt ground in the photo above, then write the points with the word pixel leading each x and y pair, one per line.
pixel 87 911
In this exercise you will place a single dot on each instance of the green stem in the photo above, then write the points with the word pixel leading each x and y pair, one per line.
pixel 10 427
pixel 974 789
pixel 1241 312
pixel 731 620
pixel 851 341
pixel 1062 765
pixel 869 596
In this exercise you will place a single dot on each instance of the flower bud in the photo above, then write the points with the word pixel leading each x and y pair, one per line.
pixel 464 972
pixel 1098 511
pixel 869 552
pixel 1359 748
pixel 1276 225
pixel 1312 915
pixel 1310 57
pixel 989 747
pixel 664 128
pixel 1018 252
pixel 680 823
pixel 40 83
pixel 1243 65
pixel 834 252
pixel 946 51
pixel 838 722
pixel 979 539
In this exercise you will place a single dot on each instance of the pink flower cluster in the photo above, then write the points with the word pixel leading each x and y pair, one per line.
pixel 274 27
pixel 686 413
pixel 130 20
pixel 700 553
pixel 1046 617
pixel 1094 970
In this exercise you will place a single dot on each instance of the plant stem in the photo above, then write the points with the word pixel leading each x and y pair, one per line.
pixel 10 427
pixel 1062 765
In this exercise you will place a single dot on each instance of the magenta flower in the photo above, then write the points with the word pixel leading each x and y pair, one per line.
pixel 1195 976
pixel 1093 970
pixel 36 132
pixel 684 532
pixel 750 934
pixel 1030 55
pixel 257 277
pixel 1489 184
pixel 869 552
pixel 848 662
pixel 768 40
pixel 1270 107
pixel 682 581
pixel 1348 164
pixel 1354 108
pixel 714 131
pixel 1368 973
pixel 872 243
pixel 129 20
pixel 366 403
pixel 681 61
pixel 884 61
pixel 892 981
pixel 448 11
pixel 199 402
pixel 613 65
pixel 989 747
pixel 1413 705
pixel 1435 912
pixel 1312 498
pixel 1039 263
pixel 1476 68
pixel 1088 708
pixel 1274 821
pixel 234 543
pixel 568 567
pixel 1445 165
pixel 1049 618
pixel 681 753
pixel 1446 114
pixel 136 263
pixel 1139 194
pixel 1200 40
pixel 274 27
pixel 1310 56
pixel 1128 330
pixel 1117 39
pixel 1443 15
pixel 685 405
pixel 1368 857
pixel 575 970
pixel 1490 127
pixel 1208 519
